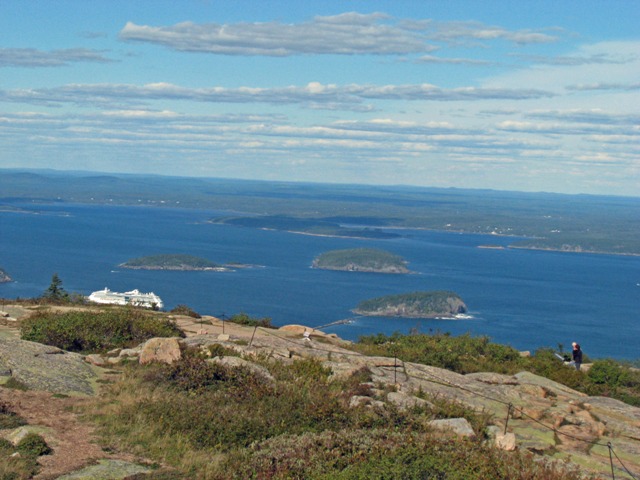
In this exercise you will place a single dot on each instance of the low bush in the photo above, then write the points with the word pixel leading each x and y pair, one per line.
pixel 217 350
pixel 185 310
pixel 33 445
pixel 15 384
pixel 20 462
pixel 462 354
pixel 610 378
pixel 382 454
pixel 95 331
pixel 195 374
pixel 244 319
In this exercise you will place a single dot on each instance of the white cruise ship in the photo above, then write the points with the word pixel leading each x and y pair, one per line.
pixel 134 297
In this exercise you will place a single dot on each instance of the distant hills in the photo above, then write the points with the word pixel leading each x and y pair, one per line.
pixel 571 223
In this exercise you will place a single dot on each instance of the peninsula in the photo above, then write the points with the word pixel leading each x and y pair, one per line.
pixel 4 276
pixel 321 227
pixel 431 304
pixel 172 262
pixel 361 260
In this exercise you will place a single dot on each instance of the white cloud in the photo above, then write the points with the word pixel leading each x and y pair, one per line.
pixel 346 34
pixel 619 64
pixel 31 57
pixel 465 31
pixel 314 95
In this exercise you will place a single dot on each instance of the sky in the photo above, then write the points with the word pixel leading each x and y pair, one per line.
pixel 537 95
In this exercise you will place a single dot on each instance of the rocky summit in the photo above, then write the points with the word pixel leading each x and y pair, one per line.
pixel 526 411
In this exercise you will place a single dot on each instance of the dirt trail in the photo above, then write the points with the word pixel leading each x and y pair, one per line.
pixel 73 442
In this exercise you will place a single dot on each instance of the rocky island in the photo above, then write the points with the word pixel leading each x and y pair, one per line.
pixel 172 262
pixel 431 304
pixel 361 260
pixel 4 276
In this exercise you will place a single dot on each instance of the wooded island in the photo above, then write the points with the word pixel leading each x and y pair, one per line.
pixel 361 260
pixel 171 262
pixel 439 303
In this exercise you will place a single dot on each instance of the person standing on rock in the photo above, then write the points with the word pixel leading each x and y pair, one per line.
pixel 577 355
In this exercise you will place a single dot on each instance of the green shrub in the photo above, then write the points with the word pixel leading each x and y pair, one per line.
pixel 462 354
pixel 193 374
pixel 382 454
pixel 91 331
pixel 610 378
pixel 605 372
pixel 185 310
pixel 33 445
pixel 16 384
pixel 546 364
pixel 217 350
pixel 244 319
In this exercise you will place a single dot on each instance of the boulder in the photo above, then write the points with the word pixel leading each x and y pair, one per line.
pixel 41 367
pixel 506 441
pixel 163 350
pixel 95 359
pixel 404 401
pixel 129 352
pixel 459 426
pixel 108 470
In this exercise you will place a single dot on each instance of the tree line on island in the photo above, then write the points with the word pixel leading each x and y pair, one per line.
pixel 361 260
pixel 177 261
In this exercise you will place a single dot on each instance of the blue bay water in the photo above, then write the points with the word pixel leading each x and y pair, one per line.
pixel 527 299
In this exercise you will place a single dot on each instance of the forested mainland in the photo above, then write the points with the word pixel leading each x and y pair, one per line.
pixel 325 227
pixel 170 262
pixel 361 260
pixel 438 303
pixel 575 223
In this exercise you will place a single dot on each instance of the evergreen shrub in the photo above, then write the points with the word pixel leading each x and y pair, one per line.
pixel 96 331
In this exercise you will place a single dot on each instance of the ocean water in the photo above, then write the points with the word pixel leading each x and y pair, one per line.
pixel 527 299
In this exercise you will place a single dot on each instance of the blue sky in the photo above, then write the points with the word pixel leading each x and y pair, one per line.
pixel 532 95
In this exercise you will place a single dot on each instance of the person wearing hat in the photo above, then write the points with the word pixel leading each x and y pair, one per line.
pixel 576 355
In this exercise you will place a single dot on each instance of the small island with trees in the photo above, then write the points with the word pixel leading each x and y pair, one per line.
pixel 172 262
pixel 361 260
pixel 430 304
pixel 4 276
